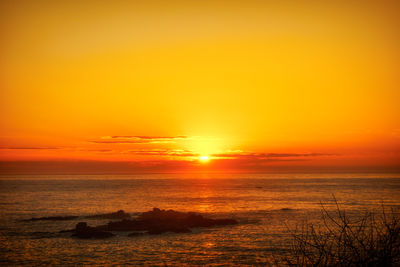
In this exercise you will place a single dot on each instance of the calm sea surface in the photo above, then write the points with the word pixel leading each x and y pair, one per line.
pixel 267 207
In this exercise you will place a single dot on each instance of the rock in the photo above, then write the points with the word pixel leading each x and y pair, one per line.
pixel 67 231
pixel 125 225
pixel 163 215
pixel 153 222
pixel 119 215
pixel 136 234
pixel 225 222
pixel 82 230
pixel 181 219
pixel 52 218
pixel 160 221
pixel 114 215
pixel 80 227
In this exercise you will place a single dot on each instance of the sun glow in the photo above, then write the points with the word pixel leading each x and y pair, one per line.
pixel 204 158
pixel 192 93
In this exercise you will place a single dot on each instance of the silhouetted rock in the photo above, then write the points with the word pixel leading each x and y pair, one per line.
pixel 67 231
pixel 82 230
pixel 125 225
pixel 160 221
pixel 52 218
pixel 286 209
pixel 185 219
pixel 136 234
pixel 152 222
pixel 114 215
pixel 119 215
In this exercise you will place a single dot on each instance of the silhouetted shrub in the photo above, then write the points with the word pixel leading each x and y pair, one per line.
pixel 369 240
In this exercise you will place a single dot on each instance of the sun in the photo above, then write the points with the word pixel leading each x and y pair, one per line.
pixel 204 158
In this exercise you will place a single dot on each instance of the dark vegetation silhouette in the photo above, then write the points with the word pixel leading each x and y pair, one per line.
pixel 342 240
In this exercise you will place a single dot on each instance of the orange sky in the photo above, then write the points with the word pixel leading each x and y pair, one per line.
pixel 254 85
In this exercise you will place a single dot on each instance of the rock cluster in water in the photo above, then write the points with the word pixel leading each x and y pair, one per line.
pixel 52 218
pixel 82 230
pixel 113 216
pixel 153 222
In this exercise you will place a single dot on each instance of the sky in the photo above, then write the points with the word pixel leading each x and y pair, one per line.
pixel 133 86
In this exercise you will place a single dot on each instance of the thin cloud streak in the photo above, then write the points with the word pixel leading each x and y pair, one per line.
pixel 138 139
pixel 250 155
pixel 163 152
pixel 29 148
pixel 147 137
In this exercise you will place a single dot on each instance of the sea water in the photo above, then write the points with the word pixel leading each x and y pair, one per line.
pixel 267 206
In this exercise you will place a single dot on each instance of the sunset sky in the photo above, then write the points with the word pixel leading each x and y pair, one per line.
pixel 131 86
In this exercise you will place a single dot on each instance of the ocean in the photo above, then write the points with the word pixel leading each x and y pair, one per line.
pixel 268 208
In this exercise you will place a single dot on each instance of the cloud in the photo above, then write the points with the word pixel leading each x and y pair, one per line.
pixel 229 156
pixel 163 152
pixel 29 148
pixel 146 137
pixel 237 155
pixel 98 150
pixel 265 156
pixel 138 139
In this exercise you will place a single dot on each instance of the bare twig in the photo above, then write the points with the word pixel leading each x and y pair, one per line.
pixel 341 241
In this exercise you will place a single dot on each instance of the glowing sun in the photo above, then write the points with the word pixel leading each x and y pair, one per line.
pixel 204 158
